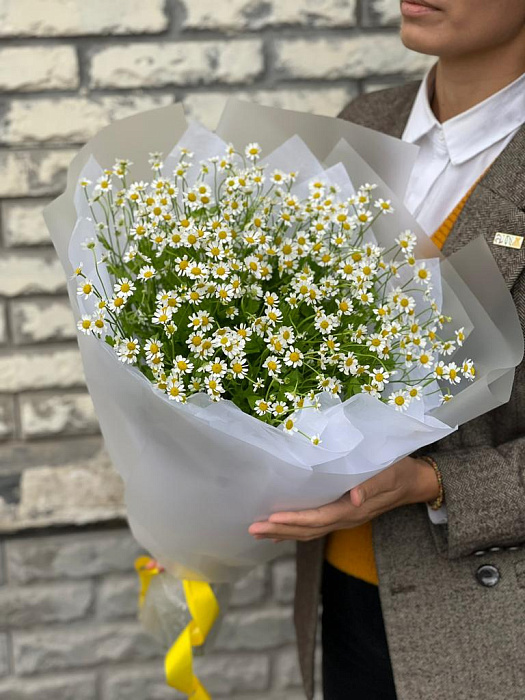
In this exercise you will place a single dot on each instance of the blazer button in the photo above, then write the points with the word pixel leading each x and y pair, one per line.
pixel 487 575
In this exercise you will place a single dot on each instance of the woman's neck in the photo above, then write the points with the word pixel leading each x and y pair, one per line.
pixel 462 82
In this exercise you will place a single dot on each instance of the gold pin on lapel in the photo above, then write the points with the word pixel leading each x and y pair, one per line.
pixel 508 240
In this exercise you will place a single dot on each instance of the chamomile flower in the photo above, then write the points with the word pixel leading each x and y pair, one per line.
pixel 379 377
pixel 85 324
pixel 117 303
pixel 128 350
pixel 214 387
pixel 452 373
pixel 217 367
pixel 181 365
pixel 279 409
pixel 468 369
pixel 421 273
pixel 400 400
pixel 239 367
pixel 384 206
pixel 147 272
pixel 289 425
pixel 86 288
pixel 273 365
pixel 175 389
pixel 124 286
pixel 252 151
pixel 415 392
pixel 99 324
pixel 293 357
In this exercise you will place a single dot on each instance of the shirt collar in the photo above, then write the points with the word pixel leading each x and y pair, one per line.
pixel 466 135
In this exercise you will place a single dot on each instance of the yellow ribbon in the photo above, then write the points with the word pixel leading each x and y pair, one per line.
pixel 204 609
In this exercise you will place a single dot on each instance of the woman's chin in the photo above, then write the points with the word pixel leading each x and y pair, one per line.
pixel 421 39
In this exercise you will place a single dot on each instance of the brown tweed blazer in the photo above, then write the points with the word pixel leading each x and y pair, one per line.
pixel 451 637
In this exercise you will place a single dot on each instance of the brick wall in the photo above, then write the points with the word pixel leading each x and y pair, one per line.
pixel 68 67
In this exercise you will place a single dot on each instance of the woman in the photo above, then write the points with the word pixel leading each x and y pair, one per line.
pixel 417 607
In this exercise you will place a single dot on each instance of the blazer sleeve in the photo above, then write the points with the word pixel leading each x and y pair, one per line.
pixel 485 485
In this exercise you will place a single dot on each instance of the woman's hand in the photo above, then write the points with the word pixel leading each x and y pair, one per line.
pixel 407 481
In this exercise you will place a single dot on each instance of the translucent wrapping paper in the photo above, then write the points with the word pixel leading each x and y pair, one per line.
pixel 198 474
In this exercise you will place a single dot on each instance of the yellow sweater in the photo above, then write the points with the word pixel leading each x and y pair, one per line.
pixel 352 550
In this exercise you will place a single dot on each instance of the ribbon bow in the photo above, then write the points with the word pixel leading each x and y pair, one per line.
pixel 204 609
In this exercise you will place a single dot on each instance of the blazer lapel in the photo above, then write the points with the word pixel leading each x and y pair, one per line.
pixel 497 204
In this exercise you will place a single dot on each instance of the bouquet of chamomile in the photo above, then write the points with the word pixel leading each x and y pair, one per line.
pixel 236 287
pixel 262 324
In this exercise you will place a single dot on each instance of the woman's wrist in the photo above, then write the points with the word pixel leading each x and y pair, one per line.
pixel 428 487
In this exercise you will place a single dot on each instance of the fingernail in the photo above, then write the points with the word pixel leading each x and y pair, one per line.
pixel 360 497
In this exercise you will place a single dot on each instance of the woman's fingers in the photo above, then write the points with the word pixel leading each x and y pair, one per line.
pixel 324 516
pixel 267 530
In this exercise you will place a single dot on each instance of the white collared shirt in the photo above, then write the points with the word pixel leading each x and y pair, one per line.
pixel 455 153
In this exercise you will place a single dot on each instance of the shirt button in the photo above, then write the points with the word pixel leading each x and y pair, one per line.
pixel 487 575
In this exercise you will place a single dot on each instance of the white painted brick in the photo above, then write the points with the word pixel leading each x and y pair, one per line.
pixel 41 370
pixel 184 63
pixel 33 173
pixel 255 630
pixel 117 596
pixel 3 324
pixel 222 675
pixel 286 669
pixel 70 119
pixel 83 555
pixel 23 223
pixel 28 272
pixel 80 18
pixel 347 57
pixel 26 68
pixel 251 588
pixel 254 14
pixel 53 648
pixel 381 12
pixel 226 675
pixel 6 417
pixel 75 494
pixel 78 686
pixel 207 106
pixel 4 656
pixel 27 606
pixel 41 320
pixel 283 578
pixel 138 681
pixel 62 414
